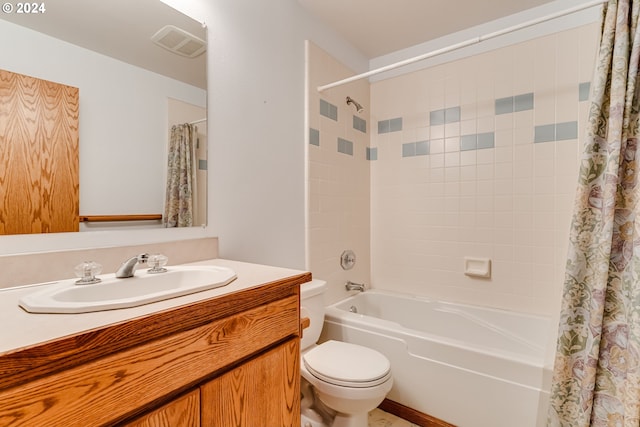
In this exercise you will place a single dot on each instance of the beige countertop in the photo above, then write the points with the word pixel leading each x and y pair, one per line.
pixel 22 329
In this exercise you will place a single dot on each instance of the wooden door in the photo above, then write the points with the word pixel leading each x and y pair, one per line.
pixel 39 188
pixel 264 391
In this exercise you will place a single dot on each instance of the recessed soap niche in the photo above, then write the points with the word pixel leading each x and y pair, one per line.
pixel 477 267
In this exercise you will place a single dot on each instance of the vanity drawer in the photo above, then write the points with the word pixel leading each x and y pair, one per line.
pixel 118 385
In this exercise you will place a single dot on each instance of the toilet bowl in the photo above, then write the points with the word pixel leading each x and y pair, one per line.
pixel 341 382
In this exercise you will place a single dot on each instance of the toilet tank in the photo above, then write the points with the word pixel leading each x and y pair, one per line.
pixel 312 306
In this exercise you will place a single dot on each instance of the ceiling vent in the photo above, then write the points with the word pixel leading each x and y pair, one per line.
pixel 179 41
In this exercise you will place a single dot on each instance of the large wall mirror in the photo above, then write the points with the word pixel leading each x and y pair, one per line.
pixel 133 92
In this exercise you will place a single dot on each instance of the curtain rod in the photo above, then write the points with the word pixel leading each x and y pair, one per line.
pixel 460 45
pixel 198 121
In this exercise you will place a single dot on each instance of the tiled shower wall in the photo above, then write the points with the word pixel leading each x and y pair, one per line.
pixel 479 158
pixel 338 184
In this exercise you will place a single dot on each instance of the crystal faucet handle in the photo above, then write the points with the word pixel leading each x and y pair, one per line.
pixel 156 262
pixel 87 272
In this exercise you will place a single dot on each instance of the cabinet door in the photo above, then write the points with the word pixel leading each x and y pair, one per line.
pixel 183 412
pixel 265 391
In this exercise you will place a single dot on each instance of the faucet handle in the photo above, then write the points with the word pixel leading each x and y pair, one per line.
pixel 157 263
pixel 87 273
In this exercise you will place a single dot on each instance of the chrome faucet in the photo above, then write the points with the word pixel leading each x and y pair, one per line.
pixel 351 286
pixel 129 266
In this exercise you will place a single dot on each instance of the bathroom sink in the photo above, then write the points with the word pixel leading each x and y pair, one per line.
pixel 112 293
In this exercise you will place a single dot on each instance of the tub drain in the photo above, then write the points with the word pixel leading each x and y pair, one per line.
pixel 353 309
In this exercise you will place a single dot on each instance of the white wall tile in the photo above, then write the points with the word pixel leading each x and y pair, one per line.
pixel 512 201
pixel 339 184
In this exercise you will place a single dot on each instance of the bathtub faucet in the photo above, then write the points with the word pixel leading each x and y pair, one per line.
pixel 351 286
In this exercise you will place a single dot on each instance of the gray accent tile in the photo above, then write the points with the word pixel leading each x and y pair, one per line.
pixel 523 102
pixel 436 117
pixel 202 164
pixel 328 110
pixel 567 130
pixel 383 126
pixel 359 124
pixel 422 148
pixel 391 125
pixel 545 133
pixel 324 108
pixel 409 149
pixel 583 91
pixel 486 140
pixel 314 136
pixel 333 112
pixel 372 153
pixel 468 142
pixel 452 115
pixel 395 125
pixel 345 147
pixel 504 105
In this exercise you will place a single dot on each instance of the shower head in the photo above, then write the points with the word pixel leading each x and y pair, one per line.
pixel 356 104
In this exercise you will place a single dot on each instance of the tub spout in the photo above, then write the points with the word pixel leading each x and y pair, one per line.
pixel 351 286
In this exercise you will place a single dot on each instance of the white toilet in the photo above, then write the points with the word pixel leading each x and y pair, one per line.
pixel 341 382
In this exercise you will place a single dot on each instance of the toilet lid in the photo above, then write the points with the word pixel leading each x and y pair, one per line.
pixel 346 364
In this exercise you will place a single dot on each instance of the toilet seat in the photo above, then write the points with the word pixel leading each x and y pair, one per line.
pixel 348 365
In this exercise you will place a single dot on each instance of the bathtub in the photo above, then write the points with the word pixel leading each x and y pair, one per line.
pixel 467 365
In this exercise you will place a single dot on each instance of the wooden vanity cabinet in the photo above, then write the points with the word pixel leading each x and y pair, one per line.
pixel 262 392
pixel 183 412
pixel 234 361
pixel 259 392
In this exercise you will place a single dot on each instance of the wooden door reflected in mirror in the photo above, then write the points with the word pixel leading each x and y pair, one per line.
pixel 39 185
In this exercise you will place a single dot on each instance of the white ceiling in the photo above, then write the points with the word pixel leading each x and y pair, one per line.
pixel 378 27
pixel 120 29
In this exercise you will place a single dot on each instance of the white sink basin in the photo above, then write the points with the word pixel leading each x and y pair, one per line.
pixel 112 293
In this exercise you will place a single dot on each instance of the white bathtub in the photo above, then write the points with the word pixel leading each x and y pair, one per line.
pixel 467 365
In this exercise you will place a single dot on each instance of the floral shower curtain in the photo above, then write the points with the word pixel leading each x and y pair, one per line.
pixel 596 379
pixel 181 177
